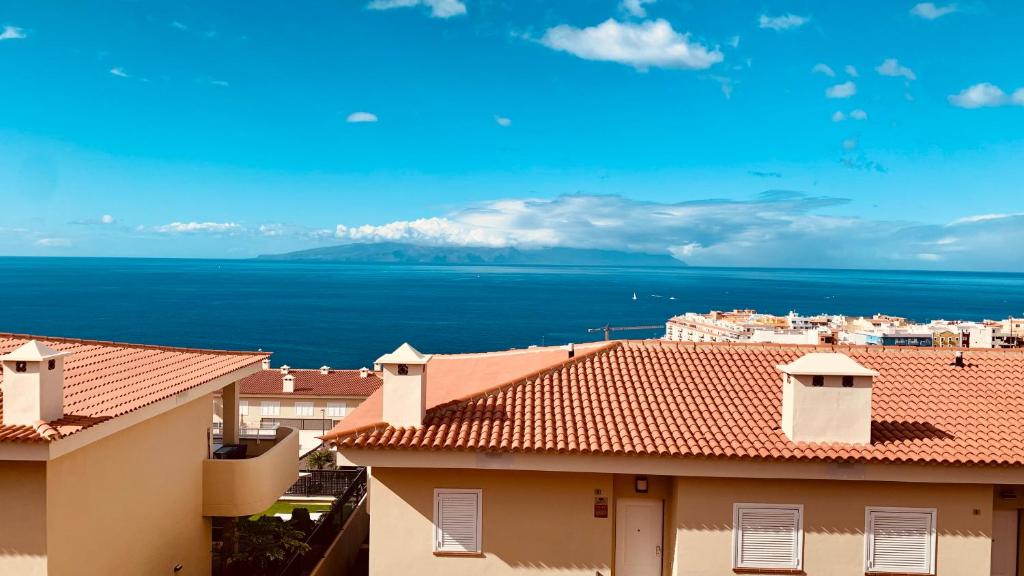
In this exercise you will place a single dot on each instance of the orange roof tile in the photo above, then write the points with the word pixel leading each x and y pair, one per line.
pixel 311 383
pixel 103 380
pixel 723 400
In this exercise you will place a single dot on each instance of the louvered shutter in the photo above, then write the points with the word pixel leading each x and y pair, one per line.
pixel 901 541
pixel 767 536
pixel 457 521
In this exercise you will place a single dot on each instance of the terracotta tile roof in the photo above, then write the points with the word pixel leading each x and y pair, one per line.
pixel 104 380
pixel 311 383
pixel 724 400
pixel 460 376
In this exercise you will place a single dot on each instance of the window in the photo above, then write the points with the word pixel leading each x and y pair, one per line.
pixel 768 536
pixel 900 540
pixel 303 408
pixel 336 409
pixel 818 381
pixel 243 407
pixel 270 408
pixel 847 381
pixel 457 519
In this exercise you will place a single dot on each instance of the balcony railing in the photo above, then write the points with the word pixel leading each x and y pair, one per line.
pixel 329 528
pixel 250 485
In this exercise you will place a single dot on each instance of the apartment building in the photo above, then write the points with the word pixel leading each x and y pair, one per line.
pixel 106 457
pixel 311 401
pixel 646 458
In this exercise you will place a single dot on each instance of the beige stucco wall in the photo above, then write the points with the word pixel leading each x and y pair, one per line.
pixel 533 523
pixel 23 518
pixel 251 485
pixel 132 503
pixel 255 414
pixel 833 522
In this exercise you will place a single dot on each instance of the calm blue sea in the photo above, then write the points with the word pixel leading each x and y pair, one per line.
pixel 346 315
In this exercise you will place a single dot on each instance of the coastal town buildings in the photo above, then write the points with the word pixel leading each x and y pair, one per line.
pixel 108 463
pixel 881 329
pixel 311 401
pixel 644 458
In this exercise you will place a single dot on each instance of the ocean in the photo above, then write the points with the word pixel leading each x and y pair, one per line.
pixel 345 315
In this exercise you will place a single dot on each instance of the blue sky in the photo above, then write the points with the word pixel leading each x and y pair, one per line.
pixel 882 134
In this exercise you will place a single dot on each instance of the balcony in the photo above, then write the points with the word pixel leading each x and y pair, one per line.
pixel 250 485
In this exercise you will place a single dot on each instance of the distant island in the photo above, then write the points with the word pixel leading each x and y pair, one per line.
pixel 399 253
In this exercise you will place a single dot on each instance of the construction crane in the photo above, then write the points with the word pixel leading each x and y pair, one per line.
pixel 608 329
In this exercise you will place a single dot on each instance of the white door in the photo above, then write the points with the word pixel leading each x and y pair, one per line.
pixel 1004 543
pixel 638 537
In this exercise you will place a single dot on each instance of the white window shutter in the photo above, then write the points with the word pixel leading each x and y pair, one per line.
pixel 767 536
pixel 457 521
pixel 901 540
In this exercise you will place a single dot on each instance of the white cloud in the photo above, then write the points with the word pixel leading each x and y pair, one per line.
pixel 12 33
pixel 635 7
pixel 844 90
pixel 985 218
pixel 734 41
pixel 438 8
pixel 503 121
pixel 783 22
pixel 271 230
pixel 1018 97
pixel 930 11
pixel 361 117
pixel 221 83
pixel 929 257
pixel 178 25
pixel 53 242
pixel 838 116
pixel 776 228
pixel 199 227
pixel 850 144
pixel 983 95
pixel 647 44
pixel 851 71
pixel 106 219
pixel 119 72
pixel 825 69
pixel 892 67
pixel 858 114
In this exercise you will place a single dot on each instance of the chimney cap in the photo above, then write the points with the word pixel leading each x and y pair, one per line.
pixel 404 354
pixel 32 351
pixel 825 364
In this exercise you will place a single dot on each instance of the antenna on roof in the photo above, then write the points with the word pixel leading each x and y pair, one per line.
pixel 958 360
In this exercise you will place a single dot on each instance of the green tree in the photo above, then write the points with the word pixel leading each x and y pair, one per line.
pixel 264 545
pixel 320 459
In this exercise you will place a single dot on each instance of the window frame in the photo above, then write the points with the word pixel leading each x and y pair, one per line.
pixel 273 405
pixel 306 405
pixel 243 407
pixel 336 410
pixel 736 540
pixel 869 537
pixel 438 550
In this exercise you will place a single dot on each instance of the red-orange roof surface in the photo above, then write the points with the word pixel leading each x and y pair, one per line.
pixel 724 400
pixel 103 380
pixel 311 383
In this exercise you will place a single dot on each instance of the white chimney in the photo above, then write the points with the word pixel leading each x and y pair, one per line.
pixel 405 386
pixel 33 384
pixel 285 368
pixel 288 383
pixel 826 398
pixel 364 372
pixel 265 364
pixel 325 369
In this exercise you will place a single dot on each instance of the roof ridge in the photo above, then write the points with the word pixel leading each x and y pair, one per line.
pixel 87 341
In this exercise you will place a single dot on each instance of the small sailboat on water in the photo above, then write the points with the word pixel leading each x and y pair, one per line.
pixel 634 295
